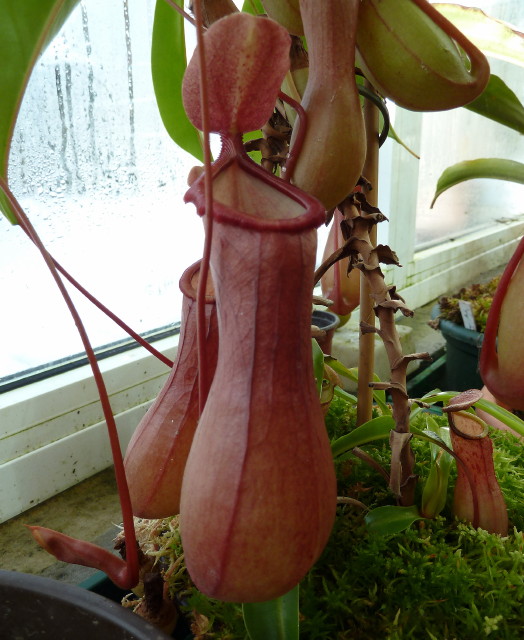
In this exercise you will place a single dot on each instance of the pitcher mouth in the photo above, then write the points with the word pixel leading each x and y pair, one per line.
pixel 258 200
pixel 189 283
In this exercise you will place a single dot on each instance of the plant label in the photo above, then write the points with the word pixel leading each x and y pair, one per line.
pixel 467 315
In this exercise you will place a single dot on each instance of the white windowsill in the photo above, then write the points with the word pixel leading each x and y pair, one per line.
pixel 53 433
pixel 447 266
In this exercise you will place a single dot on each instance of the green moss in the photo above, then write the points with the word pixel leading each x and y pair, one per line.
pixel 223 620
pixel 509 467
pixel 479 295
pixel 439 579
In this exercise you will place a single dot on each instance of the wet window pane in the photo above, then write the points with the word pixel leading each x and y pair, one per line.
pixel 102 183
pixel 457 135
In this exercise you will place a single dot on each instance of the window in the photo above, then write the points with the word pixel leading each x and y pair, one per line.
pixel 103 184
pixel 473 227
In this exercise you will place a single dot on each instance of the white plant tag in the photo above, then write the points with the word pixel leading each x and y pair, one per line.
pixel 467 315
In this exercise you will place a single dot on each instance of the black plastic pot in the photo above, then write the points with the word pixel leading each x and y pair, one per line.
pixel 462 355
pixel 36 607
pixel 328 322
pixel 101 584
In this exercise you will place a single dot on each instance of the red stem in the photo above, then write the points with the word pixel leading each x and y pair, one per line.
pixel 203 374
pixel 123 492
pixel 301 129
pixel 136 336
pixel 181 11
pixel 67 549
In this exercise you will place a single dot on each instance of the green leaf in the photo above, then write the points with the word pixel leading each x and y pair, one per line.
pixel 388 520
pixel 5 208
pixel 375 429
pixel 26 28
pixel 499 103
pixel 379 396
pixel 394 136
pixel 318 365
pixel 493 37
pixel 434 494
pixel 505 416
pixel 273 620
pixel 496 168
pixel 253 6
pixel 509 419
pixel 256 156
pixel 436 396
pixel 344 395
pixel 430 436
pixel 168 64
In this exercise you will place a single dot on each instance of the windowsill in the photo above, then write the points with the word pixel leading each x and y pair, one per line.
pixel 89 511
pixel 53 432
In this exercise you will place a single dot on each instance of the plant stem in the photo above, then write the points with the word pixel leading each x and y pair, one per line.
pixel 203 373
pixel 133 334
pixel 366 364
pixel 129 574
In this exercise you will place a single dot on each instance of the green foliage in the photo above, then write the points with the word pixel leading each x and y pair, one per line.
pixel 341 418
pixel 253 6
pixel 499 103
pixel 318 364
pixel 375 429
pixel 430 581
pixel 494 168
pixel 168 64
pixel 391 519
pixel 215 620
pixel 509 468
pixel 25 31
pixel 510 419
pixel 434 494
pixel 273 620
pixel 437 579
pixel 379 396
pixel 494 37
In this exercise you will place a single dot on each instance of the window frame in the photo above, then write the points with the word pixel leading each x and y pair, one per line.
pixel 72 442
pixel 428 272
pixel 65 413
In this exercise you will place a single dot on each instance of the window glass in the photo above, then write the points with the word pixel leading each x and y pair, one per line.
pixel 103 184
pixel 453 136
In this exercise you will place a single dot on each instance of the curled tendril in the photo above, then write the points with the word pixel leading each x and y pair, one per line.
pixel 381 106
